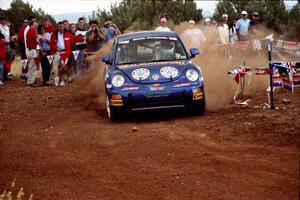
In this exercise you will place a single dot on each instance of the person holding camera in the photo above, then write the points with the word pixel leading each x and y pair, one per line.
pixel 110 30
pixel 94 37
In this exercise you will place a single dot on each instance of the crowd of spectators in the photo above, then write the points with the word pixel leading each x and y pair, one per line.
pixel 60 51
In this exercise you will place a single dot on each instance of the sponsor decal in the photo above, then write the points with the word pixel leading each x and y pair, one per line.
pixel 116 102
pixel 156 86
pixel 182 84
pixel 140 73
pixel 169 72
pixel 126 66
pixel 155 77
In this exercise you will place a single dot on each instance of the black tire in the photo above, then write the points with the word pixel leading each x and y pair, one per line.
pixel 198 108
pixel 114 114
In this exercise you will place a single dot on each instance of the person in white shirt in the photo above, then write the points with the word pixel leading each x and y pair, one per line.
pixel 193 37
pixel 223 34
pixel 163 25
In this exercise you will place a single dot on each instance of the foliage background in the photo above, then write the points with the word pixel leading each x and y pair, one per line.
pixel 145 14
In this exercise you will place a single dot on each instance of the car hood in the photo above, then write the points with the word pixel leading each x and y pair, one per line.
pixel 158 72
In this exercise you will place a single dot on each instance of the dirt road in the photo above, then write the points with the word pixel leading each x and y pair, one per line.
pixel 56 145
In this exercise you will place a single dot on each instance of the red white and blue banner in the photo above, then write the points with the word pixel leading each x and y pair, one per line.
pixel 286 74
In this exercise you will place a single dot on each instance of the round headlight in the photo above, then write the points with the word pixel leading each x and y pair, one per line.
pixel 192 75
pixel 117 80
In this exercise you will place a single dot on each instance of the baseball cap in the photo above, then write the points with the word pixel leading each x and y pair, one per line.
pixel 225 15
pixel 191 21
pixel 255 13
pixel 207 20
pixel 244 12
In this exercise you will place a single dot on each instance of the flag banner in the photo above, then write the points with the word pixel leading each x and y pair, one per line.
pixel 286 74
pixel 24 63
pixel 50 58
pixel 241 45
pixel 37 60
pixel 75 54
pixel 64 57
pixel 296 73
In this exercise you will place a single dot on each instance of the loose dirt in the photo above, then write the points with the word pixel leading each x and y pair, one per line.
pixel 55 145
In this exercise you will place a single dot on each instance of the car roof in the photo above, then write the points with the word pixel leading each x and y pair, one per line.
pixel 142 34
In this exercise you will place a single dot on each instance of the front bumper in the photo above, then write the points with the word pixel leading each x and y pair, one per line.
pixel 156 97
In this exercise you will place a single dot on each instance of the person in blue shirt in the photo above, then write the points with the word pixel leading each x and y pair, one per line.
pixel 242 27
pixel 110 30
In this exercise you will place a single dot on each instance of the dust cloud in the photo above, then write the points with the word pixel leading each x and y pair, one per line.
pixel 93 90
pixel 219 87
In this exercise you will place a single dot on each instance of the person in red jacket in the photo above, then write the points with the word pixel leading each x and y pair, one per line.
pixel 31 53
pixel 2 57
pixel 47 25
pixel 61 48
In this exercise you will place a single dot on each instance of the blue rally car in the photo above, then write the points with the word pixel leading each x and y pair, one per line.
pixel 152 71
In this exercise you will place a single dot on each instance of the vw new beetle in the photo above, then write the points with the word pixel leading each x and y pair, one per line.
pixel 152 71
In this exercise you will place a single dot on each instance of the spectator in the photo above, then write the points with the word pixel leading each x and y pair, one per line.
pixel 223 34
pixel 193 36
pixel 81 46
pixel 163 25
pixel 73 28
pixel 21 39
pixel 254 24
pixel 66 25
pixel 5 30
pixel 30 19
pixel 207 22
pixel 242 26
pixel 25 70
pixel 223 30
pixel 13 49
pixel 253 32
pixel 61 46
pixel 49 28
pixel 2 57
pixel 44 43
pixel 110 30
pixel 94 37
pixel 233 38
pixel 31 53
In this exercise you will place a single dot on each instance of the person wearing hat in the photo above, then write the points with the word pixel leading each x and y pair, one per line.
pixel 223 34
pixel 163 25
pixel 242 26
pixel 207 22
pixel 253 25
pixel 193 37
pixel 253 31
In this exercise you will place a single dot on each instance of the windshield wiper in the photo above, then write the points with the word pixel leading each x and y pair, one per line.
pixel 160 60
pixel 127 63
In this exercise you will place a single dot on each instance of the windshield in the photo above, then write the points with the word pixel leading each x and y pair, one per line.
pixel 149 50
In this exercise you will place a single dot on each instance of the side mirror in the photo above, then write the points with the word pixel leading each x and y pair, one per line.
pixel 106 59
pixel 194 52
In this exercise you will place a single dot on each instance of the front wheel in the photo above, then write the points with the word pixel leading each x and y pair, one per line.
pixel 198 108
pixel 113 114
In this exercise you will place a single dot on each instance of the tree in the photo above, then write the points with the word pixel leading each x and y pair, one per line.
pixel 145 14
pixel 293 25
pixel 19 10
pixel 272 13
